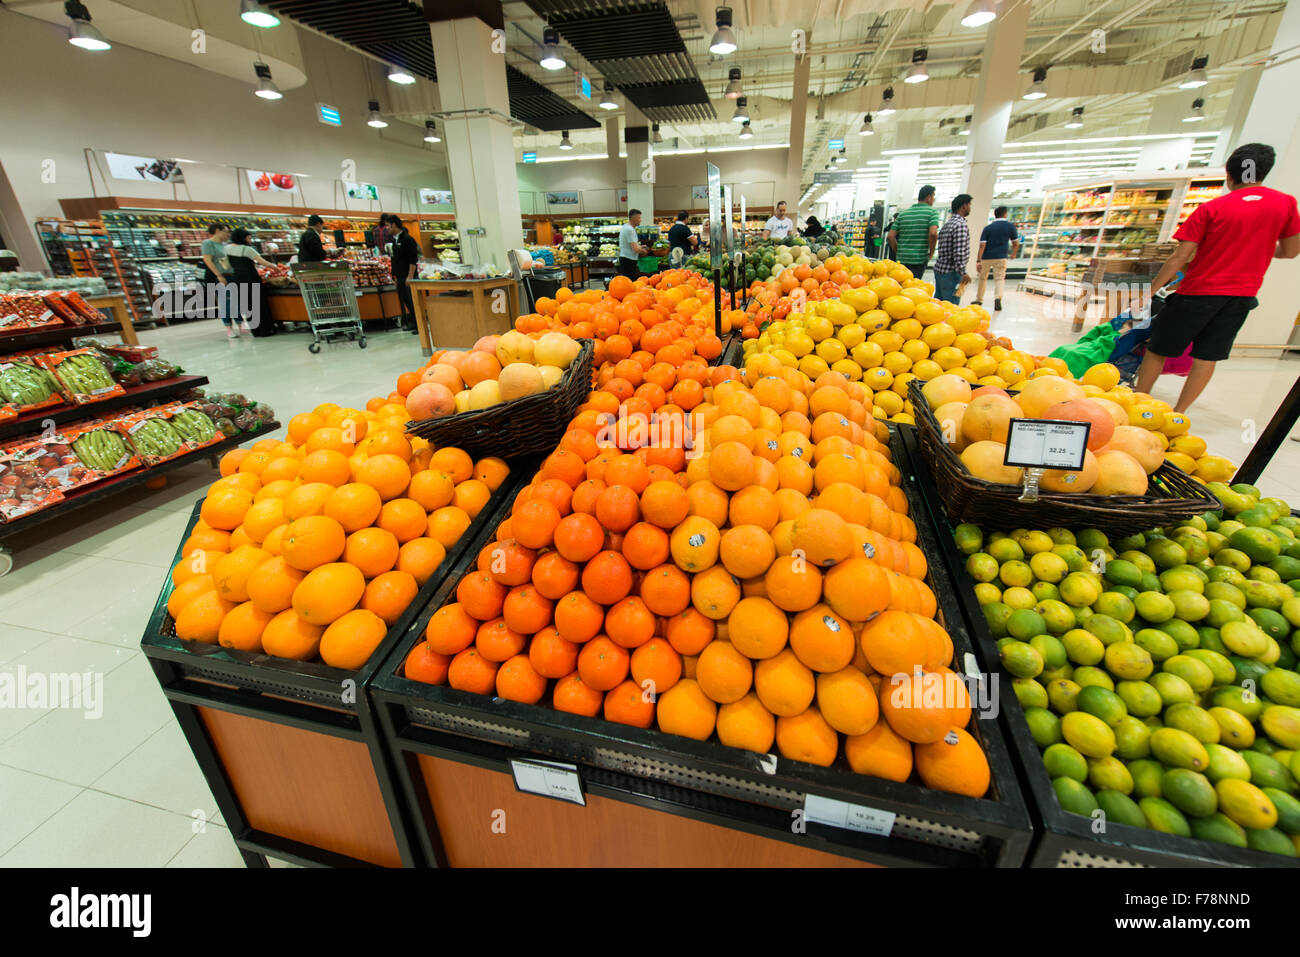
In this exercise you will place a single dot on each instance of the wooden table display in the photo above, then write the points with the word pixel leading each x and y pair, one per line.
pixel 459 322
pixel 373 302
pixel 115 303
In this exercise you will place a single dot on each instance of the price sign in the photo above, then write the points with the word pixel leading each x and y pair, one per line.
pixel 549 779
pixel 1047 444
pixel 852 817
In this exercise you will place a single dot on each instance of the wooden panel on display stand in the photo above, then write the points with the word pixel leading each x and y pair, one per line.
pixel 304 786
pixel 486 822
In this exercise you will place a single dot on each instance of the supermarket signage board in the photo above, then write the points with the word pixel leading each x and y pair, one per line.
pixel 549 779
pixel 715 215
pixel 582 83
pixel 833 177
pixel 148 169
pixel 435 197
pixel 1047 444
pixel 361 190
pixel 851 817
pixel 264 181
pixel 530 157
pixel 328 115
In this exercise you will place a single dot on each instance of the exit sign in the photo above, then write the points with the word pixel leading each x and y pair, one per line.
pixel 328 115
pixel 530 157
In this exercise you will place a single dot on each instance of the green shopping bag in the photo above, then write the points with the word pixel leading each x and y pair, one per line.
pixel 1096 346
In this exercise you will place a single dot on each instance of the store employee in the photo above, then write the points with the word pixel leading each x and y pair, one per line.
pixel 310 248
pixel 780 225
pixel 629 246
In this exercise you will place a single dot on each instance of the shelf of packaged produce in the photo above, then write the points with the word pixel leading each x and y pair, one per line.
pixel 30 339
pixel 91 494
pixel 35 420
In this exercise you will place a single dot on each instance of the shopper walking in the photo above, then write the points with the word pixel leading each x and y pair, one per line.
pixel 248 300
pixel 381 235
pixel 1224 249
pixel 999 241
pixel 404 263
pixel 779 226
pixel 681 237
pixel 310 247
pixel 216 274
pixel 952 252
pixel 629 246
pixel 915 232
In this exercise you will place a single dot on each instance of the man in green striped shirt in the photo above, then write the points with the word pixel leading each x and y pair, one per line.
pixel 915 231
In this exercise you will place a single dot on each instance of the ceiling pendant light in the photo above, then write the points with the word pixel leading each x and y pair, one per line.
pixel 887 103
pixel 745 131
pixel 607 101
pixel 1075 122
pixel 979 13
pixel 918 73
pixel 724 41
pixel 565 142
pixel 431 132
pixel 377 121
pixel 1196 76
pixel 734 90
pixel 82 33
pixel 865 129
pixel 551 56
pixel 254 14
pixel 965 127
pixel 742 110
pixel 1038 89
pixel 398 75
pixel 1197 112
pixel 265 88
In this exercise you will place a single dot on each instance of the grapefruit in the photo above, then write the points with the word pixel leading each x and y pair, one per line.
pixel 1119 473
pixel 519 379
pixel 1037 395
pixel 430 400
pixel 1142 445
pixel 1085 410
pixel 988 418
pixel 949 416
pixel 946 388
pixel 984 459
pixel 1059 480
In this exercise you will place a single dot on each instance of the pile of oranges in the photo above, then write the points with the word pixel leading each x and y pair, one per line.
pixel 744 568
pixel 312 547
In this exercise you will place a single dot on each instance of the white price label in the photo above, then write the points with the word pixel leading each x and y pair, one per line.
pixel 852 817
pixel 549 779
pixel 1047 443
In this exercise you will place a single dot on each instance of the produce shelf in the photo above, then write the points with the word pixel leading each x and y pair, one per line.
pixel 90 494
pixel 24 339
pixel 1065 839
pixel 434 731
pixel 147 392
pixel 268 731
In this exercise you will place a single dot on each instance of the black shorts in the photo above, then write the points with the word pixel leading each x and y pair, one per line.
pixel 628 268
pixel 1208 323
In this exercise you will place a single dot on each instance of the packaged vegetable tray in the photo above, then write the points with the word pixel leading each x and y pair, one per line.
pixel 82 375
pixel 154 436
pixel 25 384
pixel 24 310
pixel 101 446
pixel 195 426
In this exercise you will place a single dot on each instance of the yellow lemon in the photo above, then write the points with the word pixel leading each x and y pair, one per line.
pixel 847 368
pixel 915 349
pixel 1103 375
pixel 970 343
pixel 938 335
pixel 887 339
pixel 1214 468
pixel 949 357
pixel 874 320
pixel 1190 445
pixel 878 378
pixel 907 328
pixel 851 335
pixel 1175 423
pixel 1011 371
pixel 832 350
pixel 867 354
pixel 896 362
pixel 1184 462
pixel 927 369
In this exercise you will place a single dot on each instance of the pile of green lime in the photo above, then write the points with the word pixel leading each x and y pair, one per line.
pixel 1158 672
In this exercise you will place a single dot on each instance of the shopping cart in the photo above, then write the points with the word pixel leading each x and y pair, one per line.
pixel 331 302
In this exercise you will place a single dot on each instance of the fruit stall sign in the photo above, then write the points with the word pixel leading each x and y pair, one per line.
pixel 549 779
pixel 1047 444
pixel 852 817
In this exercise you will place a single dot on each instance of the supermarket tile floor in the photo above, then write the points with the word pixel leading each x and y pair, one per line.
pixel 123 789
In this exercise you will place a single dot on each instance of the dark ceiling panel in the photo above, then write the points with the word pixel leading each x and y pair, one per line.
pixel 539 107
pixel 393 30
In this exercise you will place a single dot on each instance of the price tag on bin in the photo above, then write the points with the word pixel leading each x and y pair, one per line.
pixel 549 779
pixel 1038 444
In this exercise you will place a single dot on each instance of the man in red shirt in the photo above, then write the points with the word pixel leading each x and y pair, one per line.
pixel 1224 248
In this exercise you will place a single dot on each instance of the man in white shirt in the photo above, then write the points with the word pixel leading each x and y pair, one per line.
pixel 780 225
pixel 629 246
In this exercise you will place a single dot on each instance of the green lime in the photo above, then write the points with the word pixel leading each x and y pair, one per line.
pixel 1223 612
pixel 1048 566
pixel 1166 553
pixel 1226 573
pixel 1282 724
pixel 1074 797
pixel 1062 760
pixel 1221 670
pixel 1194 544
pixel 1189 791
pixel 1101 703
pixel 1128 542
pixel 1291 611
pixel 1044 726
pixel 1132 738
pixel 1159 645
pixel 1172 689
pixel 969 538
pixel 1108 630
pixel 1271 841
pixel 1073 556
pixel 1025 623
pixel 1264 574
pixel 1049 675
pixel 1141 698
pixel 1183 577
pixel 1120 808
pixel 1235 730
pixel 1193 719
pixel 1263 594
pixel 1154 606
pixel 1146 777
pixel 1061 536
pixel 1035 542
pixel 1050 650
pixel 1086 675
pixel 995 616
pixel 1115 604
pixel 1019 597
pixel 1142 560
pixel 1178 749
pixel 986 593
pixel 1256 517
pixel 1235 558
pixel 1080 588
pixel 1045 591
pixel 1164 817
pixel 1090 538
pixel 1020 659
pixel 1183 633
pixel 982 567
pixel 1083 647
pixel 1016 572
pixel 1062 693
pixel 1244 638
pixel 1258 544
pixel 1029 693
pixel 1110 774
pixel 1239 700
pixel 1088 734
pixel 1225 591
pixel 1056 614
pixel 1225 763
pixel 1149 582
pixel 1281 686
pixel 1189 605
pixel 1122 572
pixel 1005 550
pixel 1196 673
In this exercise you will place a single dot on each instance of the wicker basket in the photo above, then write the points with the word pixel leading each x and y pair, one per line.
pixel 528 426
pixel 1173 495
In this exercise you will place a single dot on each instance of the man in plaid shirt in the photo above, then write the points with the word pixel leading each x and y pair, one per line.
pixel 952 251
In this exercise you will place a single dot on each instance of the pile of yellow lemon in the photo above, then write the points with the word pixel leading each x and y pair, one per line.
pixel 890 330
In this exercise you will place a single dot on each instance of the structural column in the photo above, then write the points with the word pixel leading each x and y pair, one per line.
pixel 1273 119
pixel 1167 114
pixel 787 187
pixel 995 91
pixel 640 164
pixel 480 147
